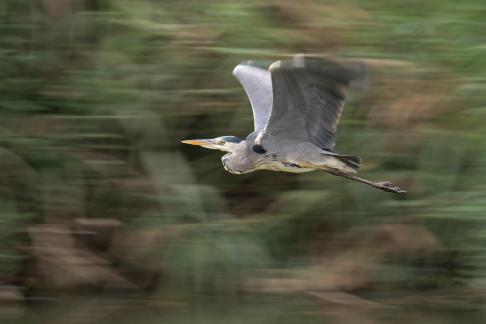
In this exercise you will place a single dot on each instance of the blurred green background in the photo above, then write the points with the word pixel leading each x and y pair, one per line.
pixel 100 199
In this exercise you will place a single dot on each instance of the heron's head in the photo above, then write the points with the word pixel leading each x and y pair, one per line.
pixel 222 143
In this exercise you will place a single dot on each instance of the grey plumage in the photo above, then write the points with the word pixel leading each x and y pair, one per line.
pixel 297 105
pixel 257 83
pixel 309 96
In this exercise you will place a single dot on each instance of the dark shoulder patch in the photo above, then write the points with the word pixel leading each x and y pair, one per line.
pixel 258 149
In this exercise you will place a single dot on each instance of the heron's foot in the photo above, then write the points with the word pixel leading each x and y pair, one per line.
pixel 390 187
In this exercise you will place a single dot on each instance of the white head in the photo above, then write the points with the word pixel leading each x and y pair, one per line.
pixel 223 143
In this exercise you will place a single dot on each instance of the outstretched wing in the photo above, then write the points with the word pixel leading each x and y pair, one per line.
pixel 308 99
pixel 257 83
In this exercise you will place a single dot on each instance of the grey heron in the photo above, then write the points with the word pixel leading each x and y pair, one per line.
pixel 297 104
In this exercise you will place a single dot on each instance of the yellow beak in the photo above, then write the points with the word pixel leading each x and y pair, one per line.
pixel 199 142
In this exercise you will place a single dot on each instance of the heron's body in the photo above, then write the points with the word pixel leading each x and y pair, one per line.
pixel 296 106
pixel 291 156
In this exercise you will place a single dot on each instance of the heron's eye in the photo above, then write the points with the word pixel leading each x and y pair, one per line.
pixel 221 142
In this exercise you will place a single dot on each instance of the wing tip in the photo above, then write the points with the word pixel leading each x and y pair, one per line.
pixel 345 70
pixel 236 69
pixel 296 61
pixel 275 65
pixel 259 65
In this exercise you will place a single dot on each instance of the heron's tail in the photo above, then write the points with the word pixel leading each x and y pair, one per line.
pixel 350 160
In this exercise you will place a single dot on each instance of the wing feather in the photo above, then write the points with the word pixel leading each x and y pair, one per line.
pixel 257 83
pixel 308 99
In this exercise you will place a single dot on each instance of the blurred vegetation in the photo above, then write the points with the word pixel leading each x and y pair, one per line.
pixel 97 192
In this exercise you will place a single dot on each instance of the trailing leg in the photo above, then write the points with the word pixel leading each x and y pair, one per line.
pixel 383 185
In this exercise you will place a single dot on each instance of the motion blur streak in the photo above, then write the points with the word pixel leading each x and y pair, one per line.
pixel 106 217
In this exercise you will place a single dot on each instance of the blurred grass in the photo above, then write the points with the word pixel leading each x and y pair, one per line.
pixel 95 96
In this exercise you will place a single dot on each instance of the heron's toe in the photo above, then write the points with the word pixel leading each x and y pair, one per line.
pixel 390 187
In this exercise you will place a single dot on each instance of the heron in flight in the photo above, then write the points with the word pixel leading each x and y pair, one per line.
pixel 297 104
